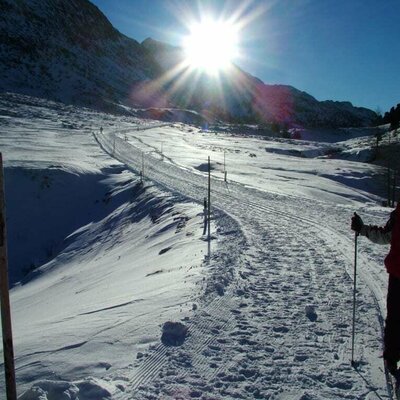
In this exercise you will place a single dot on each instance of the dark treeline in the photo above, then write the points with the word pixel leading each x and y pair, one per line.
pixel 391 117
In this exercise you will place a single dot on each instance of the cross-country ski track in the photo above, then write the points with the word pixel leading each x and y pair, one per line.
pixel 276 318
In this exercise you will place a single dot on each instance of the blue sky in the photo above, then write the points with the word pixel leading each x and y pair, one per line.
pixel 332 49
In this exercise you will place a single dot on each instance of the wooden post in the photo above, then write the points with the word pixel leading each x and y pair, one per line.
pixel 8 349
pixel 354 301
pixel 388 187
pixel 209 199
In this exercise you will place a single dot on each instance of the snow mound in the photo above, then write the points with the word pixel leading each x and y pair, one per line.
pixel 88 389
pixel 364 155
pixel 174 333
pixel 204 167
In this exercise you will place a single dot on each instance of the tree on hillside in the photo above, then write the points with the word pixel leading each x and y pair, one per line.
pixel 396 117
pixel 392 117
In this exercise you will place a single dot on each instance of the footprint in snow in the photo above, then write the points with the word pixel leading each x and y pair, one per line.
pixel 281 329
pixel 310 313
pixel 301 357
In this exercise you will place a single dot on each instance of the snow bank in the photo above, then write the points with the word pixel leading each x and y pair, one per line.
pixel 102 282
pixel 55 203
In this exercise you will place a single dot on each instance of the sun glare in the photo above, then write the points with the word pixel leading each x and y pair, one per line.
pixel 211 46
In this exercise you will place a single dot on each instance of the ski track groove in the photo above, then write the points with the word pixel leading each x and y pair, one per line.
pixel 260 210
pixel 153 363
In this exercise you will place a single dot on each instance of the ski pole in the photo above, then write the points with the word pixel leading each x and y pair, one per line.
pixel 354 299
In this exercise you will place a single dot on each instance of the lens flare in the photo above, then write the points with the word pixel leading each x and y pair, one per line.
pixel 211 45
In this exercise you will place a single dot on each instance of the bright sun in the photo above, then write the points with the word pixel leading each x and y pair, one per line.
pixel 211 46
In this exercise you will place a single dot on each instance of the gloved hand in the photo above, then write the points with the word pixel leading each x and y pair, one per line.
pixel 356 223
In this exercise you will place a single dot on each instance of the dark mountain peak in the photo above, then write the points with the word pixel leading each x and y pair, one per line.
pixel 156 44
pixel 67 50
pixel 72 18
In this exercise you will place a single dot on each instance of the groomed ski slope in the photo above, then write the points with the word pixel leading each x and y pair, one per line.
pixel 268 302
pixel 288 305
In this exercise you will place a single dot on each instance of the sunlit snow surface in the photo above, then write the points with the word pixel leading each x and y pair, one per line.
pixel 267 303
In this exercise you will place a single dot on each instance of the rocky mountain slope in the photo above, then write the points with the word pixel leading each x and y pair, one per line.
pixel 67 50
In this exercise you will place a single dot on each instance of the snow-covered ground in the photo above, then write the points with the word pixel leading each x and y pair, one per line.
pixel 267 303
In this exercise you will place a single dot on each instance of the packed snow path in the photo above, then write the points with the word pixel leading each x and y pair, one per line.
pixel 278 306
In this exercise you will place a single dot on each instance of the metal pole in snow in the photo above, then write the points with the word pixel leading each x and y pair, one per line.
pixel 354 299
pixel 224 166
pixel 8 349
pixel 209 199
pixel 142 165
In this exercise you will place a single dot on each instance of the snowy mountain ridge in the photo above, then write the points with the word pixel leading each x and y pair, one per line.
pixel 68 51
